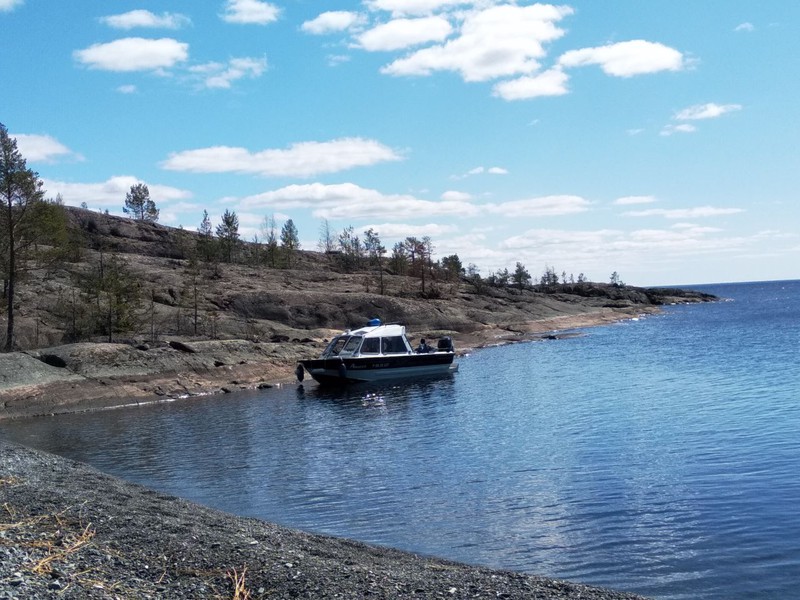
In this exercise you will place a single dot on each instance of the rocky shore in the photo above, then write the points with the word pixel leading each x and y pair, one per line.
pixel 90 375
pixel 68 531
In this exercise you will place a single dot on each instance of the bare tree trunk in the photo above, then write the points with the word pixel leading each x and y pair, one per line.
pixel 12 276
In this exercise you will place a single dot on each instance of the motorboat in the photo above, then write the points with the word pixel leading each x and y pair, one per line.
pixel 377 352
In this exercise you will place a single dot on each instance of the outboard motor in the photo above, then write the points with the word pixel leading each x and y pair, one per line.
pixel 445 344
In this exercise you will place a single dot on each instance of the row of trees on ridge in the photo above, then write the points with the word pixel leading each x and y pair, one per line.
pixel 109 298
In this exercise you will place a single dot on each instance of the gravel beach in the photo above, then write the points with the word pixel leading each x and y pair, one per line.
pixel 69 531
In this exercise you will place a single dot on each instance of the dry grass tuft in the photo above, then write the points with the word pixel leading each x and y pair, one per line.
pixel 240 591
pixel 55 541
pixel 30 522
pixel 70 544
pixel 49 533
pixel 10 510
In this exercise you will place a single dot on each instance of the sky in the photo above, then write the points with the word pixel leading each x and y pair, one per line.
pixel 658 140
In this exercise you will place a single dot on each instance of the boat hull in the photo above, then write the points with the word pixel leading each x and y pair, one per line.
pixel 378 368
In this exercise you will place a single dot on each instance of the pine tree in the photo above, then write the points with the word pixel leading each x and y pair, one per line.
pixel 375 251
pixel 206 244
pixel 139 204
pixel 521 276
pixel 228 234
pixel 20 190
pixel 269 231
pixel 290 242
pixel 113 294
pixel 399 259
pixel 327 239
pixel 452 267
pixel 351 249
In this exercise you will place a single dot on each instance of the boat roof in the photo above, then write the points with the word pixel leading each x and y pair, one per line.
pixel 388 330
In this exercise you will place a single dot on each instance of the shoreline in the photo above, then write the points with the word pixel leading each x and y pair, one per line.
pixel 70 531
pixel 96 376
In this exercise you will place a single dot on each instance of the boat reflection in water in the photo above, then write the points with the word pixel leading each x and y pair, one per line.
pixel 377 352
pixel 369 399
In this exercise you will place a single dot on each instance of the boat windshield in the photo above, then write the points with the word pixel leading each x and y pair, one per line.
pixel 352 344
pixel 336 346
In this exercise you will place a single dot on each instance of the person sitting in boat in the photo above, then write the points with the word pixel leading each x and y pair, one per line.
pixel 423 347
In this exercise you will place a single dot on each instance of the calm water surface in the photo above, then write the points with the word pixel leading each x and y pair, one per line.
pixel 659 456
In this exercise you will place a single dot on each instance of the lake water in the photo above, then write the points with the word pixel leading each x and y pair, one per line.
pixel 659 456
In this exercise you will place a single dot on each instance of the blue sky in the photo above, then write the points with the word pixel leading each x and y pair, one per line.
pixel 656 139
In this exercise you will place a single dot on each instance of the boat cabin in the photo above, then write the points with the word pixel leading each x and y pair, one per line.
pixel 373 340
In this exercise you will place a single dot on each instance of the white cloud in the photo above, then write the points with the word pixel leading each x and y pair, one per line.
pixel 691 228
pixel 144 18
pixel 403 33
pixel 685 213
pixel 332 21
pixel 455 195
pixel 642 256
pixel 245 12
pixel 541 239
pixel 182 214
pixel 500 41
pixel 9 5
pixel 480 171
pixel 414 7
pixel 484 40
pixel 678 243
pixel 744 27
pixel 472 249
pixel 626 59
pixel 396 231
pixel 552 82
pixel 299 160
pixel 601 250
pixel 127 89
pixel 222 75
pixel 42 148
pixel 547 206
pixel 133 54
pixel 250 224
pixel 334 60
pixel 347 201
pixel 697 112
pixel 681 128
pixel 629 200
pixel 111 193
pixel 706 111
